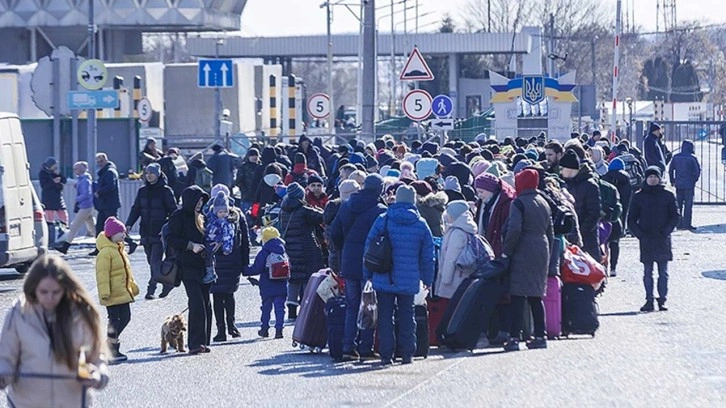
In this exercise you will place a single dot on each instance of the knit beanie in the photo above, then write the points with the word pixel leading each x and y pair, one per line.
pixel 426 167
pixel 374 182
pixel 347 188
pixel 522 164
pixel 405 194
pixel 446 159
pixel 422 188
pixel 295 191
pixel 384 170
pixel 300 158
pixel 456 208
pixel 570 160
pixel 152 168
pixel 315 179
pixel 616 164
pixel 452 183
pixel 217 188
pixel 393 173
pixel 487 182
pixel 358 158
pixel 221 202
pixel 113 226
pixel 532 154
pixel 253 152
pixel 480 167
pixel 269 233
pixel 50 162
pixel 653 171
pixel 371 162
pixel 379 144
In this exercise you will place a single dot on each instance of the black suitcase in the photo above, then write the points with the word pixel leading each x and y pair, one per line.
pixel 421 314
pixel 470 310
pixel 335 318
pixel 579 310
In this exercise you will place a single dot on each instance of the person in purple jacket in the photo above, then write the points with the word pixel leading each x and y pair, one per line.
pixel 83 207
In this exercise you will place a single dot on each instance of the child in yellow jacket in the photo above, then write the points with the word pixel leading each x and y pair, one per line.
pixel 116 285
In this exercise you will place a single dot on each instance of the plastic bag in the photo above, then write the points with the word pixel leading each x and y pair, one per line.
pixel 330 287
pixel 420 298
pixel 368 312
pixel 580 268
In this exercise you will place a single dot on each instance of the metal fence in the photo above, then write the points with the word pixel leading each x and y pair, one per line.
pixel 711 187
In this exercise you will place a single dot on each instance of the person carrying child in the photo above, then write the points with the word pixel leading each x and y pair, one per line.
pixel 218 233
pixel 116 285
pixel 272 291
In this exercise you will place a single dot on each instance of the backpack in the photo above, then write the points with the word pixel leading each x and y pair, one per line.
pixel 563 218
pixel 300 178
pixel 203 179
pixel 610 201
pixel 634 169
pixel 476 253
pixel 278 266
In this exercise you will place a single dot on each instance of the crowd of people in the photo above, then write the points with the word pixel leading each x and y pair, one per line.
pixel 311 207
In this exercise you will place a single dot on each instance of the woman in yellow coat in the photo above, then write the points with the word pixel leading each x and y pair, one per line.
pixel 116 285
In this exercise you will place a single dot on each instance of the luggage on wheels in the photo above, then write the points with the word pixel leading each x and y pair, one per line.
pixel 579 310
pixel 311 326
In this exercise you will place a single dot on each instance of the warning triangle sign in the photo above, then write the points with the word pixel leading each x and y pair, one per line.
pixel 416 68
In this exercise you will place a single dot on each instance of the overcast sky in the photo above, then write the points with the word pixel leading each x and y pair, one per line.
pixel 270 18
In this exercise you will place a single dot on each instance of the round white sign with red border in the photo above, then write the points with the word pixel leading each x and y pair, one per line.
pixel 319 105
pixel 143 108
pixel 417 105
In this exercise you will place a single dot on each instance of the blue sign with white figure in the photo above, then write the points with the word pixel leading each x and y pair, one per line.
pixel 442 106
pixel 215 73
pixel 92 99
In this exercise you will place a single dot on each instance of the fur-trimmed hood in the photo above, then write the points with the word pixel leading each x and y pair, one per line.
pixel 438 200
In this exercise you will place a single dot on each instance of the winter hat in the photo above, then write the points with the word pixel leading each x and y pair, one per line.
pixel 446 160
pixel 526 180
pixel 393 173
pixel 315 179
pixel 371 162
pixel 358 176
pixel 357 158
pixel 269 233
pixel 384 170
pixel 452 183
pixel 413 158
pixel 570 161
pixel 449 151
pixel 347 188
pixel 422 188
pixel 385 157
pixel 532 154
pixel 430 147
pixel 253 152
pixel 300 158
pixel 426 167
pixel 407 170
pixel 654 126
pixel 217 188
pixel 221 202
pixel 113 226
pixel 653 171
pixel 456 208
pixel 597 153
pixel 374 182
pixel 487 182
pixel 379 144
pixel 152 168
pixel 405 194
pixel 50 162
pixel 522 164
pixel 616 164
pixel 295 191
pixel 272 179
pixel 480 167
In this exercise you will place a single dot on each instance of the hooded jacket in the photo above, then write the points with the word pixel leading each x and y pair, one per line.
pixel 268 287
pixel 463 173
pixel 51 193
pixel 230 267
pixel 84 191
pixel 350 230
pixel 598 159
pixel 222 165
pixel 432 207
pixel 455 241
pixel 154 204
pixel 245 179
pixel 586 192
pixel 107 189
pixel 115 282
pixel 412 248
pixel 314 161
pixel 653 217
pixel 685 170
pixel 183 232
pixel 298 223
pixel 194 166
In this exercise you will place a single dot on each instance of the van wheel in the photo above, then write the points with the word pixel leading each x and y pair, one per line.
pixel 22 268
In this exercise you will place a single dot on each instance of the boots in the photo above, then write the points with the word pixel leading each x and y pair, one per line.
pixel 278 334
pixel 647 307
pixel 232 330
pixel 661 305
pixel 291 312
pixel 116 355
pixel 62 246
pixel 132 245
pixel 220 335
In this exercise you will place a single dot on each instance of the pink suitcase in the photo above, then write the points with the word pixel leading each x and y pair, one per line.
pixel 553 307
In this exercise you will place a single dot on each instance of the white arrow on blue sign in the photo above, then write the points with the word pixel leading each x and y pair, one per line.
pixel 92 99
pixel 215 73
pixel 442 106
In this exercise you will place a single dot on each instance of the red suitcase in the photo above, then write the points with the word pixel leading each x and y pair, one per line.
pixel 311 325
pixel 553 307
pixel 436 308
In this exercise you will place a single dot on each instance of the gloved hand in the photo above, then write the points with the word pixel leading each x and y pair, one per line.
pixel 253 281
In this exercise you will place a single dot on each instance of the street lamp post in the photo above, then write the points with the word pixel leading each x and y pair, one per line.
pixel 331 115
pixel 217 97
pixel 91 125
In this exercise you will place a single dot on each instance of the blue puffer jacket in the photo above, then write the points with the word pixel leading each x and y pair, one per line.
pixel 350 229
pixel 685 171
pixel 229 267
pixel 413 251
pixel 268 287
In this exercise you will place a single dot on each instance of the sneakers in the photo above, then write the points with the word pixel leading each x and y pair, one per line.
pixel 647 307
pixel 220 337
pixel 278 334
pixel 233 332
pixel 613 273
pixel 209 276
pixel 512 345
pixel 537 343
pixel 370 356
pixel 661 305
pixel 264 333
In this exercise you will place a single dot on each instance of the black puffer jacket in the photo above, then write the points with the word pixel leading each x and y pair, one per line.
pixel 653 217
pixel 245 180
pixel 297 226
pixel 154 204
pixel 51 193
pixel 230 267
pixel 585 190
pixel 621 180
pixel 183 232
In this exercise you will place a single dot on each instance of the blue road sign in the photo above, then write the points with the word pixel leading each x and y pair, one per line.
pixel 215 73
pixel 92 99
pixel 442 106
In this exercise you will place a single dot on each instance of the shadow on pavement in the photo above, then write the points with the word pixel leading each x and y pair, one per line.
pixel 711 229
pixel 618 314
pixel 257 324
pixel 720 275
pixel 311 365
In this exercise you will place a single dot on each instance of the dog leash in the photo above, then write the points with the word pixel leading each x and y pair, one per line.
pixel 183 311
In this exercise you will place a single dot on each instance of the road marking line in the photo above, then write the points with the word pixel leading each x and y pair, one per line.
pixel 409 392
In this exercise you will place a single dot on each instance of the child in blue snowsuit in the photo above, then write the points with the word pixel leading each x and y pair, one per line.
pixel 272 292
pixel 218 233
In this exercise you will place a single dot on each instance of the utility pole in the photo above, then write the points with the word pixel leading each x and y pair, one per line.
pixel 392 97
pixel 333 108
pixel 551 46
pixel 489 16
pixel 91 125
pixel 616 62
pixel 217 97
pixel 369 69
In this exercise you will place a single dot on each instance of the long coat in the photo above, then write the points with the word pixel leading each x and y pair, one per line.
pixel 51 193
pixel 298 222
pixel 455 240
pixel 183 232
pixel 108 198
pixel 230 267
pixel 585 190
pixel 528 243
pixel 653 216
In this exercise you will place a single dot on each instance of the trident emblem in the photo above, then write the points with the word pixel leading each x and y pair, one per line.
pixel 533 89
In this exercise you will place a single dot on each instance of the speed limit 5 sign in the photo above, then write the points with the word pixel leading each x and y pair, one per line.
pixel 319 105
pixel 417 105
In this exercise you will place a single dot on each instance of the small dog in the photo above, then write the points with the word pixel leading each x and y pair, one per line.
pixel 172 333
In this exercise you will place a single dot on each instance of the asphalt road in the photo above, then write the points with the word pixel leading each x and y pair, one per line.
pixel 675 358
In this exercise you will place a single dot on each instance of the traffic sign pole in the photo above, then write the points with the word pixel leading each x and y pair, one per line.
pixel 91 130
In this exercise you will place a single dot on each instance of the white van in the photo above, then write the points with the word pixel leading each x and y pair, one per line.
pixel 20 212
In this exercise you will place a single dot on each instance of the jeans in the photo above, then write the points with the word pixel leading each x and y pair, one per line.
pixel 224 304
pixel 154 254
pixel 662 280
pixel 295 291
pixel 684 198
pixel 84 216
pixel 405 322
pixel 200 314
pixel 267 303
pixel 101 218
pixel 517 315
pixel 352 337
pixel 119 317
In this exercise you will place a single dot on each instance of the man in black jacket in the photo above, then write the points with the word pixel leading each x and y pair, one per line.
pixel 154 204
pixel 106 197
pixel 582 185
